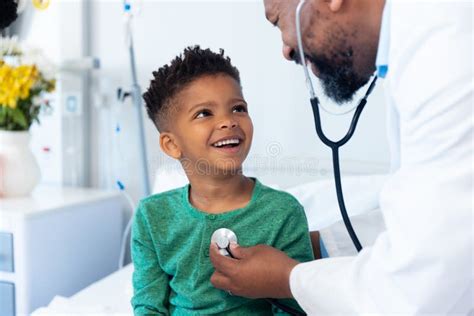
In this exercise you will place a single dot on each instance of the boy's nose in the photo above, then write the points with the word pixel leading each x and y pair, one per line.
pixel 229 123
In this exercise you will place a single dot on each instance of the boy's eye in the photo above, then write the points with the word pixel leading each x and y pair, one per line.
pixel 240 108
pixel 203 113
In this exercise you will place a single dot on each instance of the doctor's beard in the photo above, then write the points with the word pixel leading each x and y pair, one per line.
pixel 338 78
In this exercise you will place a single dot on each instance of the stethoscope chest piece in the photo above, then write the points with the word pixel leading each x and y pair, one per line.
pixel 223 237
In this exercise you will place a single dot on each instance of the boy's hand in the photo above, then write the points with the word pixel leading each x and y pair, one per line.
pixel 256 272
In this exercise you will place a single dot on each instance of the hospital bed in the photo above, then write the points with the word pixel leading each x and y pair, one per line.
pixel 111 295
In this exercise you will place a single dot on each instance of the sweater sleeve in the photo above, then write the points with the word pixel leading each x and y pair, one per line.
pixel 294 240
pixel 150 283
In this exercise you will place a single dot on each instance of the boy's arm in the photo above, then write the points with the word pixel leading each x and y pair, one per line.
pixel 295 240
pixel 294 237
pixel 150 282
pixel 316 243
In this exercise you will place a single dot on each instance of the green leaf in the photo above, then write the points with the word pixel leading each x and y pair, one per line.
pixel 3 117
pixel 20 119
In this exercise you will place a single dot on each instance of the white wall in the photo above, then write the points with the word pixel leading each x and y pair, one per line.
pixel 274 88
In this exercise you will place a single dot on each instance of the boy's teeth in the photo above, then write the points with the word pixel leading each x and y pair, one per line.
pixel 226 142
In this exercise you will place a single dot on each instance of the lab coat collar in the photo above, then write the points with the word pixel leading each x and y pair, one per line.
pixel 384 42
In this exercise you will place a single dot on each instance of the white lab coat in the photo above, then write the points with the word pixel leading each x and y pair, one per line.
pixel 423 262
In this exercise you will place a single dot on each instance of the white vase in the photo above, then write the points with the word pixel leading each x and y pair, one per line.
pixel 19 170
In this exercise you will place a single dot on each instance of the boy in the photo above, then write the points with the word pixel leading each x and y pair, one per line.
pixel 197 105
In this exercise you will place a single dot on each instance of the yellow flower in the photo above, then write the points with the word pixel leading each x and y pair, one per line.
pixel 16 83
pixel 21 87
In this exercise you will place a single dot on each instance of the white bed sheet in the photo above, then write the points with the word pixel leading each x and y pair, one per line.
pixel 109 296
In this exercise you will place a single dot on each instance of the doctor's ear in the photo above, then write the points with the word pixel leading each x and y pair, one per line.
pixel 335 5
pixel 169 145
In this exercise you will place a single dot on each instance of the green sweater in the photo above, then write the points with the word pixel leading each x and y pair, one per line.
pixel 170 250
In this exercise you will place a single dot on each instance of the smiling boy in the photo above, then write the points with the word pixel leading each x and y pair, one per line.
pixel 197 105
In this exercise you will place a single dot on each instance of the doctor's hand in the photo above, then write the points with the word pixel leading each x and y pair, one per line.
pixel 256 272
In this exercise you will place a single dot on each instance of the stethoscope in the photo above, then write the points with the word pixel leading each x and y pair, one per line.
pixel 223 236
pixel 332 144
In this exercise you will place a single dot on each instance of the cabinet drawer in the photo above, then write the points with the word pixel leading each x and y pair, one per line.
pixel 6 252
pixel 7 299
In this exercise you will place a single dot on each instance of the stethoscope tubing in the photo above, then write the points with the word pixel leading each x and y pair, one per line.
pixel 319 131
pixel 335 145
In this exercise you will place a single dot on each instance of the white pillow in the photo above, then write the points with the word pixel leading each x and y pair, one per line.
pixel 361 194
pixel 169 177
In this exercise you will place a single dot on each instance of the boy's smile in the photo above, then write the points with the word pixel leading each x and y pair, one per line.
pixel 213 129
pixel 231 144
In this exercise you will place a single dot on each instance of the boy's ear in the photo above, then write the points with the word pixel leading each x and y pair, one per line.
pixel 169 145
pixel 335 5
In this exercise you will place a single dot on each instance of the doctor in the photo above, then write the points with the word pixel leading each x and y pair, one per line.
pixel 423 262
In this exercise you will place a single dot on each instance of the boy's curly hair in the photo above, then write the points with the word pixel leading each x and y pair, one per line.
pixel 170 79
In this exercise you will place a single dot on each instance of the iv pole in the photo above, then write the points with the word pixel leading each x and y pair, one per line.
pixel 137 99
